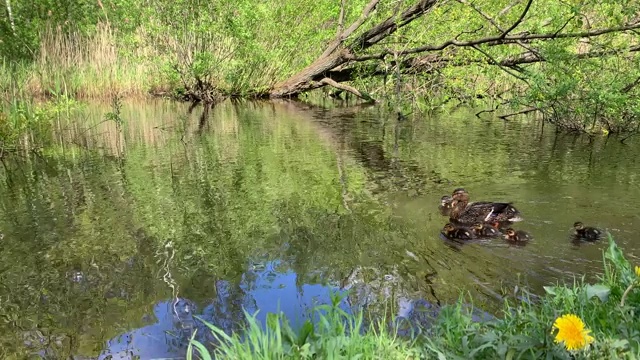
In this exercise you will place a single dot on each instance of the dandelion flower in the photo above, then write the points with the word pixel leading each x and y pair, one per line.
pixel 638 271
pixel 571 331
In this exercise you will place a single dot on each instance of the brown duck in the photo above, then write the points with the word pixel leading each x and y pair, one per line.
pixel 493 213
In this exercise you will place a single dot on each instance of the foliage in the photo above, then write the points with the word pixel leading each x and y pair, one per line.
pixel 28 125
pixel 523 331
pixel 210 49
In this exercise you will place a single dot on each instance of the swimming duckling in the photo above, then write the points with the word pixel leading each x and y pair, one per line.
pixel 483 230
pixel 518 236
pixel 446 204
pixel 459 233
pixel 586 232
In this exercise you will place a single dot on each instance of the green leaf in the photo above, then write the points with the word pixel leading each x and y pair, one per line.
pixel 305 332
pixel 600 290
pixel 204 353
pixel 551 290
pixel 273 321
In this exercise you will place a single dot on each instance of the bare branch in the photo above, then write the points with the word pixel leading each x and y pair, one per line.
pixel 499 40
pixel 492 22
pixel 521 112
pixel 630 86
pixel 492 61
pixel 341 19
pixel 515 24
pixel 353 27
pixel 432 62
pixel 391 24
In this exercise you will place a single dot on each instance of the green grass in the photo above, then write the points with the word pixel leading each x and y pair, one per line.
pixel 523 330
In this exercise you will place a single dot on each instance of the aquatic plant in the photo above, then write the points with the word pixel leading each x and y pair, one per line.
pixel 551 326
pixel 336 334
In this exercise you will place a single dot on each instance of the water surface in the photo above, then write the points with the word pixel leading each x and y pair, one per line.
pixel 114 238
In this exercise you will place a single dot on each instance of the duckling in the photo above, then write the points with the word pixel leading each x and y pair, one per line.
pixel 518 236
pixel 488 212
pixel 453 232
pixel 586 232
pixel 482 230
pixel 446 204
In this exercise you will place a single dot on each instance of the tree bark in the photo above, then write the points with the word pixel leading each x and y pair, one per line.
pixel 13 25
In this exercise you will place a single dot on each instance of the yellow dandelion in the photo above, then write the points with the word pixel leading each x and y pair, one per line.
pixel 571 332
pixel 638 271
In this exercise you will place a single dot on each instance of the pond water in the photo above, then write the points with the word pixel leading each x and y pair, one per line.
pixel 114 238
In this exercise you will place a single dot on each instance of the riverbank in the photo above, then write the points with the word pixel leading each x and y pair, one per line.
pixel 520 61
pixel 579 321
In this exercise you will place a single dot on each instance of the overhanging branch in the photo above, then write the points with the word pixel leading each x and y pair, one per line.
pixel 500 40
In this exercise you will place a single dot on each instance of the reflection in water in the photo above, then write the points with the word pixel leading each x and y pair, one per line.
pixel 268 206
pixel 174 323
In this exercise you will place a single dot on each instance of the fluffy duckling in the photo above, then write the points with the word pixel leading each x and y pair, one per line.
pixel 446 205
pixel 586 232
pixel 483 230
pixel 452 232
pixel 518 236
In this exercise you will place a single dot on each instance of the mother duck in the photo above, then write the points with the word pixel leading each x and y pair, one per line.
pixel 493 213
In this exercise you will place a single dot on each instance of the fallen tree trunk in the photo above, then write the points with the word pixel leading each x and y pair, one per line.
pixel 338 54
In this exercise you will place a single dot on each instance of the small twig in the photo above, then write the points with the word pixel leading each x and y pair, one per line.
pixel 494 62
pixel 485 111
pixel 515 24
pixel 469 32
pixel 564 25
pixel 626 292
pixel 630 86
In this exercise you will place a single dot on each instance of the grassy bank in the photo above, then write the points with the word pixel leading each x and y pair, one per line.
pixel 577 321
pixel 217 49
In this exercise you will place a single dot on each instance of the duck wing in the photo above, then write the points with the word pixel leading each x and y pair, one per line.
pixel 495 211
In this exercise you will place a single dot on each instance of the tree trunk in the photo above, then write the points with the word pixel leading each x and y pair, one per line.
pixel 13 25
pixel 337 53
pixel 309 77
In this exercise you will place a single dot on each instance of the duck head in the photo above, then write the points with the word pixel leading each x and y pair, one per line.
pixel 510 234
pixel 460 194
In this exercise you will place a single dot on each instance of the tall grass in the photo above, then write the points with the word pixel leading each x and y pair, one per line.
pixel 83 66
pixel 523 330
pixel 337 334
